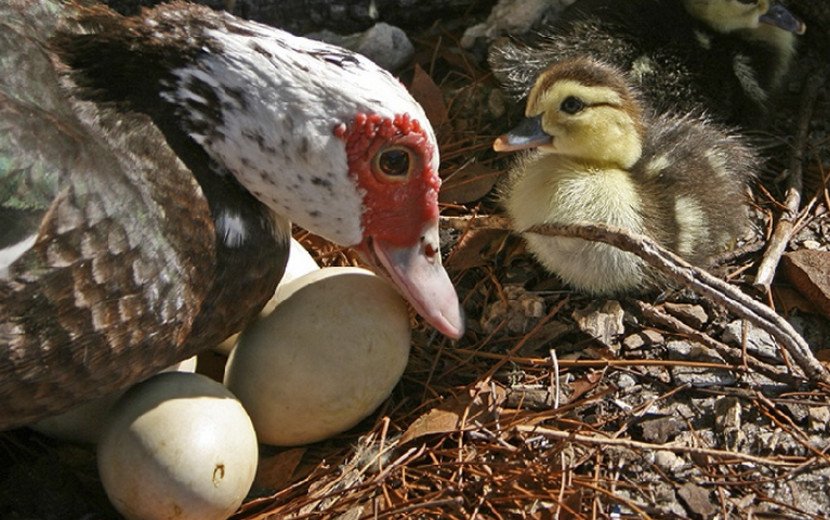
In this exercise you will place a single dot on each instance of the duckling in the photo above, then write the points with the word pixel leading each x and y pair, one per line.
pixel 601 158
pixel 725 57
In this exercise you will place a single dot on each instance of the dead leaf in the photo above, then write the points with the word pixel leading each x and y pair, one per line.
pixel 430 96
pixel 476 408
pixel 468 184
pixel 476 248
pixel 275 472
pixel 809 271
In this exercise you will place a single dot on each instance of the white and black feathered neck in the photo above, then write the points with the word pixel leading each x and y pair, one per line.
pixel 258 100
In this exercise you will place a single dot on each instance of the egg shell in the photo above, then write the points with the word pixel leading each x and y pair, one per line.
pixel 83 423
pixel 300 262
pixel 178 446
pixel 328 355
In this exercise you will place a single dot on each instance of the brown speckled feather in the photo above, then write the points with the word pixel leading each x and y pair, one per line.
pixel 126 274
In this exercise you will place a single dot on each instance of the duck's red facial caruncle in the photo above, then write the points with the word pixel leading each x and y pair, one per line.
pixel 393 163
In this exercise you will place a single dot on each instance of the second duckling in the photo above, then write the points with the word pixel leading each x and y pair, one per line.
pixel 725 57
pixel 599 158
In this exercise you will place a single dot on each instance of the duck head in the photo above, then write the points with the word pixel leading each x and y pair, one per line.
pixel 731 15
pixel 322 136
pixel 582 109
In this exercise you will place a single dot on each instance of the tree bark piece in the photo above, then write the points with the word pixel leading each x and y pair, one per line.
pixel 787 223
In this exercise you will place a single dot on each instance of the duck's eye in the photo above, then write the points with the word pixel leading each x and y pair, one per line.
pixel 394 163
pixel 571 105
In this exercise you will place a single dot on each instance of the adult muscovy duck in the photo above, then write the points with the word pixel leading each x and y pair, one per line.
pixel 147 168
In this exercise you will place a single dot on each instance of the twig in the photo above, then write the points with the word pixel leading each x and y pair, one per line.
pixel 725 350
pixel 681 271
pixel 701 282
pixel 635 445
pixel 786 224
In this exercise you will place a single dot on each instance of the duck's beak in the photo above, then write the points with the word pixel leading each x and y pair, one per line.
pixel 781 17
pixel 529 134
pixel 421 278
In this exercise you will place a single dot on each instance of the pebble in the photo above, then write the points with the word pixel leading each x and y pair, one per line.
pixel 604 324
pixel 758 342
pixel 692 315
pixel 625 381
pixel 508 16
pixel 698 500
pixel 668 461
pixel 386 45
pixel 644 338
pixel 694 376
pixel 818 418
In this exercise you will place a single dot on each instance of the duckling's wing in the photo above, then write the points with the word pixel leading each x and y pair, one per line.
pixel 694 176
pixel 115 242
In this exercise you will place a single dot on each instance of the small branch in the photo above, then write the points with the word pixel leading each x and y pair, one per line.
pixel 679 270
pixel 786 224
pixel 658 316
pixel 702 283
pixel 637 445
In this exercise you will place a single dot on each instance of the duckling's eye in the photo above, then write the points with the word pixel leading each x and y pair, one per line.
pixel 393 163
pixel 571 105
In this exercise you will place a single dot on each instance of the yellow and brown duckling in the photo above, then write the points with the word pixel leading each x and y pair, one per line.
pixel 726 57
pixel 600 158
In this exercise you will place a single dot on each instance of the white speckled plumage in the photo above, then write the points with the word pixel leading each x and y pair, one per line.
pixel 268 71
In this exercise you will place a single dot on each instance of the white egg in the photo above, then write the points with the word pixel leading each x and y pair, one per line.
pixel 328 355
pixel 300 262
pixel 83 423
pixel 178 446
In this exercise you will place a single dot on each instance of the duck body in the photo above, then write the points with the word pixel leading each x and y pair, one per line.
pixel 681 55
pixel 680 180
pixel 149 168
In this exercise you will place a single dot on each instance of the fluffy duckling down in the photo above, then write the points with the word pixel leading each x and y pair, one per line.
pixel 597 157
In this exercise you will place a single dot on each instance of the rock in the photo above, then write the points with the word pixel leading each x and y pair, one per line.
pixel 692 315
pixel 625 381
pixel 818 419
pixel 668 461
pixel 660 430
pixel 697 500
pixel 758 342
pixel 809 271
pixel 701 377
pixel 385 44
pixel 604 323
pixel 644 338
pixel 508 16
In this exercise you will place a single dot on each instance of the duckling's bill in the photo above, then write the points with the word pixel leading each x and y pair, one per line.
pixel 529 134
pixel 779 16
